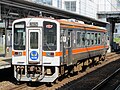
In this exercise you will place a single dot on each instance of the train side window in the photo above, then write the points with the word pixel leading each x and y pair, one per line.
pixel 88 39
pixel 62 35
pixel 92 38
pixel 69 39
pixel 99 38
pixel 96 38
pixel 83 39
pixel 102 39
pixel 105 36
pixel 78 39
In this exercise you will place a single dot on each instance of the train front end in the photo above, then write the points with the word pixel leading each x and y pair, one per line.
pixel 36 49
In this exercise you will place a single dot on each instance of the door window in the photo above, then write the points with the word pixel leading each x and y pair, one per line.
pixel 69 39
pixel 34 40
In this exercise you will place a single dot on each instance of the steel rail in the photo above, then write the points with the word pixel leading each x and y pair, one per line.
pixel 98 86
pixel 118 87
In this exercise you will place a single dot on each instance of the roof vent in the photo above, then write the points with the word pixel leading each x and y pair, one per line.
pixel 72 20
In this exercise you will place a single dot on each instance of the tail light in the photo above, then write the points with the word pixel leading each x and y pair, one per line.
pixel 52 54
pixel 18 53
pixel 15 53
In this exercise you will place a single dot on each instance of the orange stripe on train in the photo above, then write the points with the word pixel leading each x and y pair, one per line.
pixel 44 54
pixel 58 53
pixel 80 50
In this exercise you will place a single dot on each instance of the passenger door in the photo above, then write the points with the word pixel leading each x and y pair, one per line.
pixel 35 46
pixel 69 43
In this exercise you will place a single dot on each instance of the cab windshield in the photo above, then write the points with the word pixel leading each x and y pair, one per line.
pixel 19 36
pixel 50 36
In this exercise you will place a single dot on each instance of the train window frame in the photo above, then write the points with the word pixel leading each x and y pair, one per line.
pixel 50 41
pixel 83 35
pixel 88 37
pixel 78 44
pixel 92 38
pixel 35 37
pixel 69 39
pixel 23 48
pixel 99 38
pixel 62 36
pixel 102 38
pixel 96 39
pixel 105 38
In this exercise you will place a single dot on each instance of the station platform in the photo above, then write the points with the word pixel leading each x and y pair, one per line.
pixel 5 62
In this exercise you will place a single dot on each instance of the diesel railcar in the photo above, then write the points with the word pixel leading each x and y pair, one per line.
pixel 44 49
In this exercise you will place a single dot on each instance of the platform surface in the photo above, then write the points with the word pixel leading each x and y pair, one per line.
pixel 5 62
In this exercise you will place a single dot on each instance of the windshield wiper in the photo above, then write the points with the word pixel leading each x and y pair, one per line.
pixel 48 46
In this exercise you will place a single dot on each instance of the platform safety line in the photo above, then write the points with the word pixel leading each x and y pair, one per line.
pixel 5 66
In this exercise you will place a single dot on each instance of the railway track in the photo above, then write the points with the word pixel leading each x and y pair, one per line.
pixel 19 87
pixel 87 84
pixel 102 84
pixel 118 87
pixel 27 86
pixel 40 87
pixel 110 57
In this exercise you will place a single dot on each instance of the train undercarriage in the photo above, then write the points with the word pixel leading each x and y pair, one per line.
pixel 50 74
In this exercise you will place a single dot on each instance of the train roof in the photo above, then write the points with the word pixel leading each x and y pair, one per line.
pixel 68 24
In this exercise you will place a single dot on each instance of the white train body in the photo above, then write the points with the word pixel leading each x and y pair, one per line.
pixel 43 49
pixel 30 53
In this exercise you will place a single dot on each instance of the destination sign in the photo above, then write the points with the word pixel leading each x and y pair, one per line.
pixel 19 25
pixel 34 24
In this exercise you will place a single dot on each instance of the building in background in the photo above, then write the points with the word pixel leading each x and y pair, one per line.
pixel 83 7
pixel 87 8
pixel 55 3
pixel 105 5
pixel 108 5
pixel 111 8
